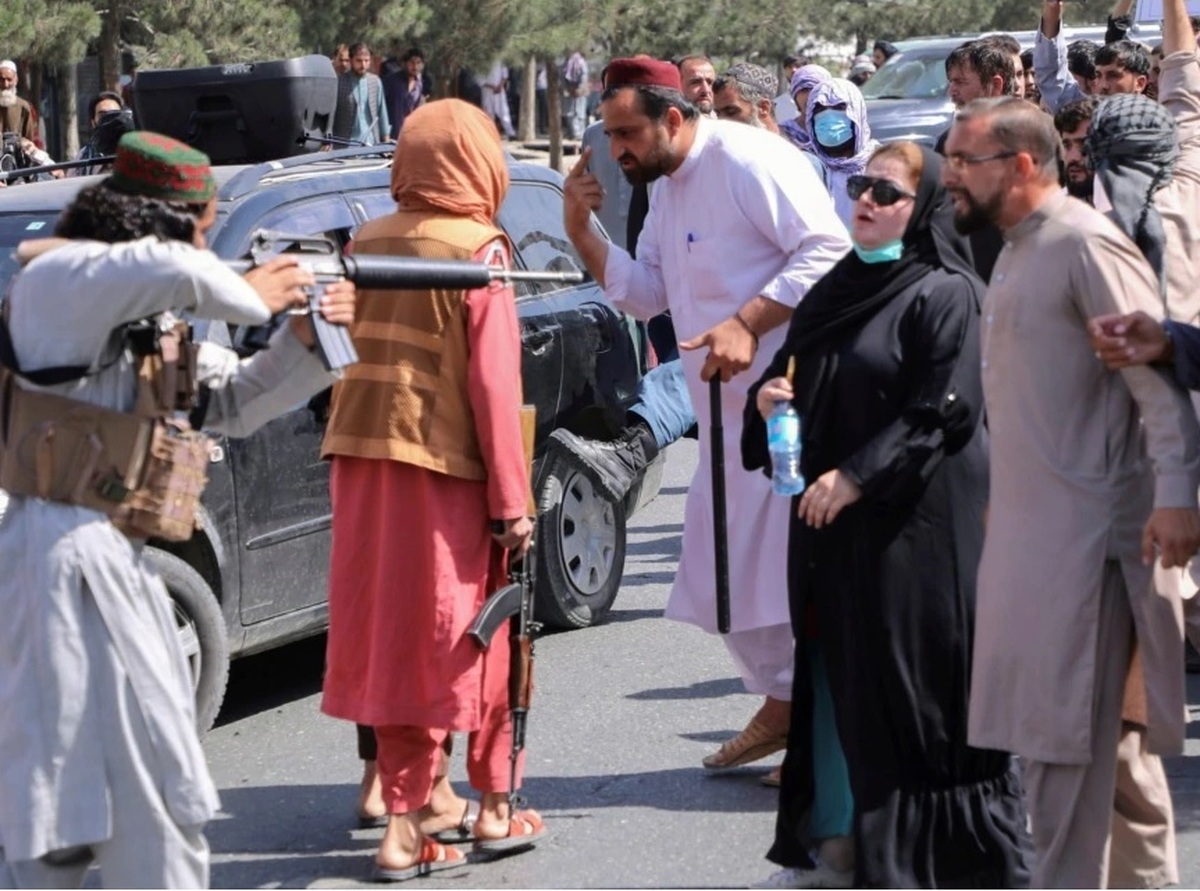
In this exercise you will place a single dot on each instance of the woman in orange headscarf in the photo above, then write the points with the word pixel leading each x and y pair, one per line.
pixel 429 487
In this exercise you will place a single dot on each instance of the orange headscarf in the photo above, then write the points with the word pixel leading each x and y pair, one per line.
pixel 449 158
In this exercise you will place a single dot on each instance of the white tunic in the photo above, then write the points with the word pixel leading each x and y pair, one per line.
pixel 743 216
pixel 54 792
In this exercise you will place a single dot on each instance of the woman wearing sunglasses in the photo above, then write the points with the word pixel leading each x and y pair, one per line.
pixel 885 542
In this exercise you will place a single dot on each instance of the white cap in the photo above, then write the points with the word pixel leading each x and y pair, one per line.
pixel 10 65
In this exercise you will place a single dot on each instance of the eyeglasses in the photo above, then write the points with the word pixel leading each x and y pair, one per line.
pixel 884 192
pixel 958 163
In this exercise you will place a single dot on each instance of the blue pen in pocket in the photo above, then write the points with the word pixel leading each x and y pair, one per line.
pixel 690 239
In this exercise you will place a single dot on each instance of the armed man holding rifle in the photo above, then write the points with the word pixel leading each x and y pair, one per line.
pixel 430 491
pixel 99 758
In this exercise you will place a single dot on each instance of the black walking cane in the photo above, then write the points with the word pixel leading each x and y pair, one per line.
pixel 720 538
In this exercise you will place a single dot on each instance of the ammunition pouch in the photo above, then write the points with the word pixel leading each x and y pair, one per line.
pixel 144 469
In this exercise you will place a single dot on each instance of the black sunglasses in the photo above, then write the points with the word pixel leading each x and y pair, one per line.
pixel 884 192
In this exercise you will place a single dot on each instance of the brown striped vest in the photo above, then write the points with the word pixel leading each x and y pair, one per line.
pixel 406 398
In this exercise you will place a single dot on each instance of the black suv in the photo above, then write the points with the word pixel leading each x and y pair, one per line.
pixel 254 575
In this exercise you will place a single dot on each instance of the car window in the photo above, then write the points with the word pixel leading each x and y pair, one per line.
pixel 912 74
pixel 532 217
pixel 15 228
pixel 327 215
pixel 374 204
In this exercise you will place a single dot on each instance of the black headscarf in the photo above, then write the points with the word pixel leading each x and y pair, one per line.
pixel 850 294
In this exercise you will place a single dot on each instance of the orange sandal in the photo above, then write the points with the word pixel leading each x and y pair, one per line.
pixel 525 828
pixel 434 857
pixel 755 742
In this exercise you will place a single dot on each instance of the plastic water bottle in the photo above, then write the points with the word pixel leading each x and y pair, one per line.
pixel 783 441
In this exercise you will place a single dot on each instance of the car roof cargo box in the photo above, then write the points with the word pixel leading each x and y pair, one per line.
pixel 243 113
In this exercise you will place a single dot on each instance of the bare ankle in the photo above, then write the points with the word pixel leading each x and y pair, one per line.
pixel 401 843
pixel 837 853
pixel 776 714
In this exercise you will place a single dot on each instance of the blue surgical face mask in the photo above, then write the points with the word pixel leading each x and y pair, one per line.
pixel 885 253
pixel 833 127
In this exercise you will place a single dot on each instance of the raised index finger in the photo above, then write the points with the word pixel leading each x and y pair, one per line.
pixel 580 166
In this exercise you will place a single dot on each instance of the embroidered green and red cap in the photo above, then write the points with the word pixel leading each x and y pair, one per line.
pixel 158 166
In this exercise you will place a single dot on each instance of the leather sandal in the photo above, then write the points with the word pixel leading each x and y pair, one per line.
pixel 464 831
pixel 525 829
pixel 757 741
pixel 434 857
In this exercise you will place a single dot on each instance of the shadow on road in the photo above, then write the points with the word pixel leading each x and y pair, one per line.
pixel 699 690
pixel 666 546
pixel 316 820
pixel 269 680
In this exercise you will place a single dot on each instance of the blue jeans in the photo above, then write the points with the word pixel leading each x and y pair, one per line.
pixel 664 403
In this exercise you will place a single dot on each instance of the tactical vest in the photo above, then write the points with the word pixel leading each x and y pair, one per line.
pixel 144 469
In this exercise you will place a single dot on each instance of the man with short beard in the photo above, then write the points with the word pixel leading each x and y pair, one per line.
pixel 736 235
pixel 1093 478
pixel 697 75
pixel 745 93
pixel 1072 123
pixel 16 115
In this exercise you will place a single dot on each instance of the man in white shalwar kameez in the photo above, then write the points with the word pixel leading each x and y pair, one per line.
pixel 739 229
pixel 99 757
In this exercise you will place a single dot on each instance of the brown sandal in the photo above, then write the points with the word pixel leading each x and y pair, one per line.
pixel 755 742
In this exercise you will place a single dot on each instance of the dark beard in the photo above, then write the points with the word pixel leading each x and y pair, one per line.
pixel 978 216
pixel 655 165
pixel 1081 190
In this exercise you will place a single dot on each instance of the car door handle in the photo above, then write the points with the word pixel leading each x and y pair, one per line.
pixel 537 342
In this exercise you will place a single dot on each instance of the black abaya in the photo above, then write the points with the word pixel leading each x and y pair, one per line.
pixel 894 400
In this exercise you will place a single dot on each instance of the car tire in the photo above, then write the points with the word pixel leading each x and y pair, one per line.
pixel 202 633
pixel 580 550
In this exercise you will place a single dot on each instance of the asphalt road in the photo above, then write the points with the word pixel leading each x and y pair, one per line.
pixel 623 714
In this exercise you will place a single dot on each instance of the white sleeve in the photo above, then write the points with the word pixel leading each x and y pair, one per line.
pixel 246 393
pixel 792 209
pixel 132 280
pixel 636 286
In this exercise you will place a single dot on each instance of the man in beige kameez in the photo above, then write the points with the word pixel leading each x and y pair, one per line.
pixel 1077 511
pixel 1146 160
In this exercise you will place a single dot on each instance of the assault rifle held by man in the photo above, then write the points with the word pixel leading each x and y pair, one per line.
pixel 324 257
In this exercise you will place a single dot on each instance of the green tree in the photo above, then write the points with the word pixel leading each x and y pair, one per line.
pixel 188 33
pixel 722 29
pixel 470 33
pixel 545 33
pixel 381 24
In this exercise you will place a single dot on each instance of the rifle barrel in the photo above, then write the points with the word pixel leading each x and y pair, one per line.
pixel 373 272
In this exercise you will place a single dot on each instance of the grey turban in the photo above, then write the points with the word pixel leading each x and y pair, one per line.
pixel 1133 145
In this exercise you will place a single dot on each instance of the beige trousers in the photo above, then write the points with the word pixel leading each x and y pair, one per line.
pixel 1142 853
pixel 1109 823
